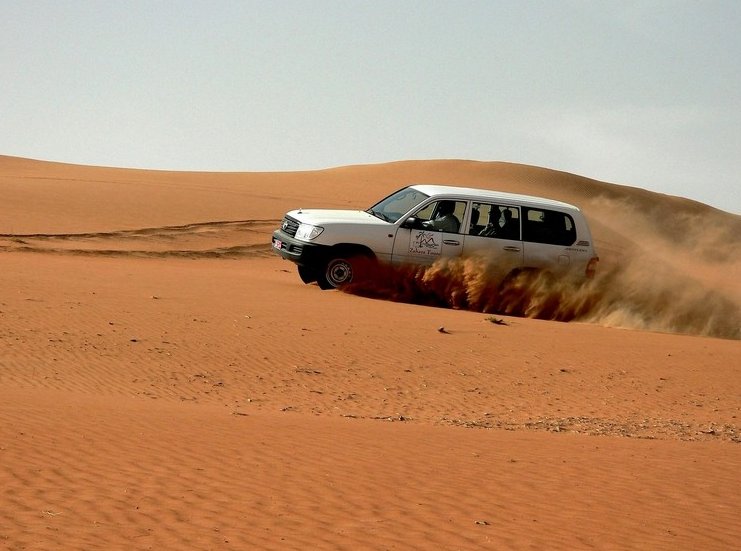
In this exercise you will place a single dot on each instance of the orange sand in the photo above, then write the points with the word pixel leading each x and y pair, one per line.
pixel 167 382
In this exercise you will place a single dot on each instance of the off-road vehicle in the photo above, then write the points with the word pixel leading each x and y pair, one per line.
pixel 420 224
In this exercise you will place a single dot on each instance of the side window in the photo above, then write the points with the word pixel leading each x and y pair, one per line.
pixel 426 213
pixel 499 221
pixel 548 226
pixel 444 215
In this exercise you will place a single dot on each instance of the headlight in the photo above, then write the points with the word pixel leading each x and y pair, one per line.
pixel 307 232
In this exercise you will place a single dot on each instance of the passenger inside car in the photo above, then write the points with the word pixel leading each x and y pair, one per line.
pixel 511 227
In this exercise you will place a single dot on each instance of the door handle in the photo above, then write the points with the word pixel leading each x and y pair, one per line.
pixel 451 242
pixel 512 249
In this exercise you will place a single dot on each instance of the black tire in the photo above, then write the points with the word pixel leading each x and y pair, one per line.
pixel 307 275
pixel 337 273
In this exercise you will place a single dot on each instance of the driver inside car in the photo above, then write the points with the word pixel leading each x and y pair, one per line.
pixel 445 219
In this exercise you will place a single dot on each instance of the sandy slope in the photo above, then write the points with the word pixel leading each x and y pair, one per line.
pixel 168 383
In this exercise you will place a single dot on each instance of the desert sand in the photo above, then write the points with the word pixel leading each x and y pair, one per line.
pixel 167 382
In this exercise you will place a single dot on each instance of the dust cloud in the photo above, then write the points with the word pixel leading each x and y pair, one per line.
pixel 635 291
pixel 667 264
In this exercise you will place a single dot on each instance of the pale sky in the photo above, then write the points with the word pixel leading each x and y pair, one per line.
pixel 642 93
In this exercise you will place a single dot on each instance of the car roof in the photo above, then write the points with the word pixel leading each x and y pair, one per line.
pixel 474 194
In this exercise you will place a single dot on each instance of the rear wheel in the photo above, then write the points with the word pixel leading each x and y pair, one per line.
pixel 529 292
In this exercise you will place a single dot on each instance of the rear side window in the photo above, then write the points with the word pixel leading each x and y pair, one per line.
pixel 498 221
pixel 548 226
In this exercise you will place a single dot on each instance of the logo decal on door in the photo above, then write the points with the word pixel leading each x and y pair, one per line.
pixel 425 243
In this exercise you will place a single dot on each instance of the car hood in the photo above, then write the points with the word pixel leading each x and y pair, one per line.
pixel 322 217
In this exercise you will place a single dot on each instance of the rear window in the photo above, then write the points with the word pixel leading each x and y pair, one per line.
pixel 548 226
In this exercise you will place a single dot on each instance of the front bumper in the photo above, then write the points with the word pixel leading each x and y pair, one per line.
pixel 300 252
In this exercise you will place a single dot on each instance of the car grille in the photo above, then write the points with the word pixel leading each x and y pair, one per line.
pixel 289 226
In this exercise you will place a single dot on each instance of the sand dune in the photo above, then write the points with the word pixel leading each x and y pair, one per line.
pixel 166 382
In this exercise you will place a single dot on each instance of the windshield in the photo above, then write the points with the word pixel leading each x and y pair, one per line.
pixel 397 204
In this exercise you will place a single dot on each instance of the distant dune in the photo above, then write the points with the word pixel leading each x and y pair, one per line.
pixel 166 381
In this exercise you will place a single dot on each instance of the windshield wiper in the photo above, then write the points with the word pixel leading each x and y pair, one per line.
pixel 378 215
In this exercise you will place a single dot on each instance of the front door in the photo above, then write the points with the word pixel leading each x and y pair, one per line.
pixel 437 234
pixel 422 246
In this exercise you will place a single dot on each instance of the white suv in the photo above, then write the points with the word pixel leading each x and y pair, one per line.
pixel 423 223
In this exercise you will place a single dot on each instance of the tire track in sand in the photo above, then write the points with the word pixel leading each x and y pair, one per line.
pixel 215 239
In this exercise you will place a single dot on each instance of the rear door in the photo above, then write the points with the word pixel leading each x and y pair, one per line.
pixel 548 236
pixel 493 234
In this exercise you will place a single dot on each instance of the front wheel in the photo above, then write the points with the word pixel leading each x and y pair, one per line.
pixel 336 273
pixel 306 274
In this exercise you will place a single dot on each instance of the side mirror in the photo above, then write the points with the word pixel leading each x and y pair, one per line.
pixel 410 223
